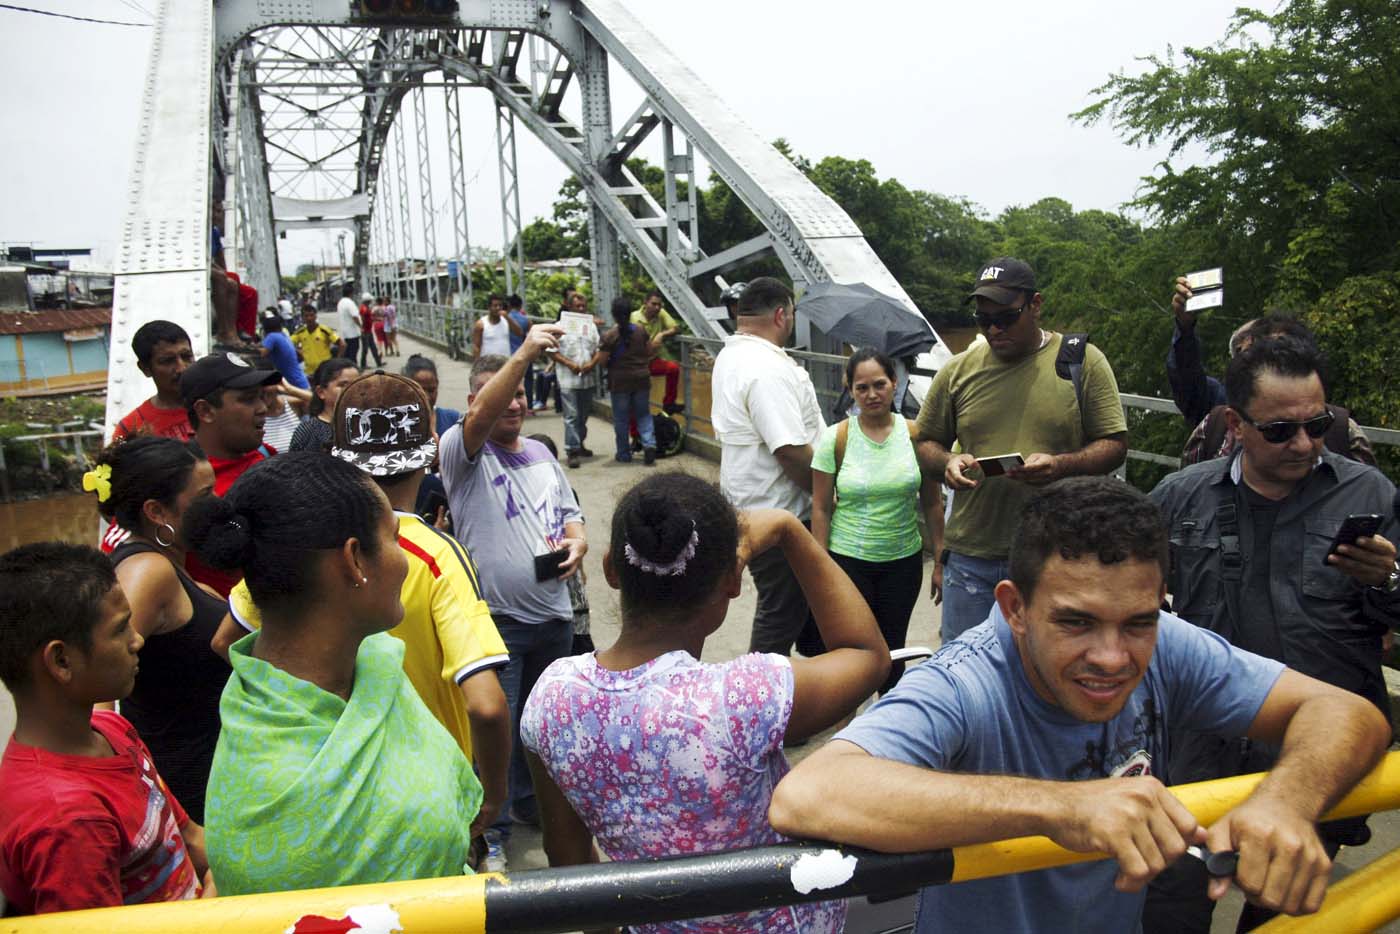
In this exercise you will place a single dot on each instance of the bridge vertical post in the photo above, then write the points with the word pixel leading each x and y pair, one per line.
pixel 405 219
pixel 595 89
pixel 162 265
pixel 257 242
pixel 512 249
pixel 425 190
pixel 457 182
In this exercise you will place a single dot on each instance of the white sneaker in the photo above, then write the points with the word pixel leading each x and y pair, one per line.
pixel 495 852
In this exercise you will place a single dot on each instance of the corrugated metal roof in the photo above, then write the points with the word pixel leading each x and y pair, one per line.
pixel 46 322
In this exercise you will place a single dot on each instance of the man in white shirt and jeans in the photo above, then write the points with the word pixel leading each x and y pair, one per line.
pixel 765 413
pixel 347 322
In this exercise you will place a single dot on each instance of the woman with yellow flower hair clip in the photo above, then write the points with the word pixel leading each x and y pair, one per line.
pixel 145 483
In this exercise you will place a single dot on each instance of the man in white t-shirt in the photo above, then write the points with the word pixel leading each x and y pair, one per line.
pixel 348 322
pixel 765 413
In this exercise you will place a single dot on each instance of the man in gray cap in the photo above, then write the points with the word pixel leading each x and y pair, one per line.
pixel 1050 398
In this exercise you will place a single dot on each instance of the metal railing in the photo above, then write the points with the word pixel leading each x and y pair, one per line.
pixel 75 439
pixel 545 901
pixel 697 354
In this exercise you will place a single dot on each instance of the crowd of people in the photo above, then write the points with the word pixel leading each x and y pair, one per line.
pixel 365 658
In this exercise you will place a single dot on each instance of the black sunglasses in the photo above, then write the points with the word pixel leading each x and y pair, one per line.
pixel 1000 320
pixel 1283 432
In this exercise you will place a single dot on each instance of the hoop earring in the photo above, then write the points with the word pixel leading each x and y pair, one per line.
pixel 166 525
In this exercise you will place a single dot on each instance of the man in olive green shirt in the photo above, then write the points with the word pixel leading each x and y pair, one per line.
pixel 1003 396
pixel 659 326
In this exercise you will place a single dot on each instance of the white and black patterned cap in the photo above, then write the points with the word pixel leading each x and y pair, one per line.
pixel 384 425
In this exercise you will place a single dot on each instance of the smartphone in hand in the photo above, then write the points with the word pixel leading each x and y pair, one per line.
pixel 999 465
pixel 1357 525
pixel 547 565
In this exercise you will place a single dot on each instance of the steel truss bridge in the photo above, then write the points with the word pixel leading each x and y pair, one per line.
pixel 304 114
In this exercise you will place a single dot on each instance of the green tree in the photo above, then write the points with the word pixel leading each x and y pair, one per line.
pixel 1300 114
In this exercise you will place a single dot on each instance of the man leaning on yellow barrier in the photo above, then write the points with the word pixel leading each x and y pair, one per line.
pixel 1052 718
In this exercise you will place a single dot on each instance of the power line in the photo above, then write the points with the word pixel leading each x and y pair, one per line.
pixel 81 19
pixel 137 8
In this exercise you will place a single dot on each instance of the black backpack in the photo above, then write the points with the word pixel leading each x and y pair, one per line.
pixel 1069 364
pixel 669 437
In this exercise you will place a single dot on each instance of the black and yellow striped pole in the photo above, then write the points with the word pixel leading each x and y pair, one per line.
pixel 611 894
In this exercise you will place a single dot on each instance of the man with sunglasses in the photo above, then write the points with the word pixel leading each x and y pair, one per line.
pixel 1003 396
pixel 1251 548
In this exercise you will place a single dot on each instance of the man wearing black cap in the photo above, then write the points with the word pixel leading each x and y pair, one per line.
pixel 223 397
pixel 1003 396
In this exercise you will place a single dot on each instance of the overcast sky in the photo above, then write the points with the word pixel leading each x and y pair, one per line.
pixel 966 99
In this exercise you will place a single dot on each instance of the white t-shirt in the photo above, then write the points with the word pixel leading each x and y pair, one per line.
pixel 761 400
pixel 495 338
pixel 347 318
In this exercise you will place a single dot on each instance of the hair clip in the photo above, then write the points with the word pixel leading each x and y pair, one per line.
pixel 238 523
pixel 675 568
pixel 99 479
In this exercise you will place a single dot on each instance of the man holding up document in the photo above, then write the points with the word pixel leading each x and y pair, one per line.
pixel 1048 397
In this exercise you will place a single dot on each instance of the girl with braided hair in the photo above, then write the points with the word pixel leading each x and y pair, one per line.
pixel 656 753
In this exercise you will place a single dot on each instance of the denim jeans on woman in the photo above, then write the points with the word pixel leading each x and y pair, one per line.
pixel 969 586
pixel 627 406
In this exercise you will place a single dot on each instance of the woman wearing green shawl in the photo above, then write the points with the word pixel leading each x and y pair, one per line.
pixel 329 770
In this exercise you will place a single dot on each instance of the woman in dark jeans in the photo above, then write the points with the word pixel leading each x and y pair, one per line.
pixel 146 483
pixel 629 381
pixel 866 493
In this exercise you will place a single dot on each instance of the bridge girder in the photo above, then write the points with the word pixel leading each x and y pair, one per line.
pixel 307 69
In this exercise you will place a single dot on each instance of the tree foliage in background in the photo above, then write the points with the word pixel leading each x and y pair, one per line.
pixel 1300 200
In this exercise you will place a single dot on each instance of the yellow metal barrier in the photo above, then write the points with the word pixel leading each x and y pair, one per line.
pixel 1208 801
pixel 1365 900
pixel 456 905
pixel 476 904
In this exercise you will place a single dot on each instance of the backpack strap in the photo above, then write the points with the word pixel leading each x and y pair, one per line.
pixel 1338 437
pixel 1069 363
pixel 1214 434
pixel 843 435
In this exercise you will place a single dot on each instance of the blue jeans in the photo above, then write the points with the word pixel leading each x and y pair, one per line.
pixel 532 647
pixel 968 592
pixel 627 406
pixel 577 403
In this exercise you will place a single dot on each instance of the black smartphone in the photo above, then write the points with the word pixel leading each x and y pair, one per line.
pixel 1357 525
pixel 432 502
pixel 547 566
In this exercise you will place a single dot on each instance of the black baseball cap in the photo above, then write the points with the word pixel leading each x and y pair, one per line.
pixel 217 371
pixel 1002 280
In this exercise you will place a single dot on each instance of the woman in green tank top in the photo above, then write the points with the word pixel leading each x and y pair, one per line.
pixel 866 493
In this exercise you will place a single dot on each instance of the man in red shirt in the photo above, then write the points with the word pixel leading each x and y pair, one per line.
pixel 85 820
pixel 163 352
pixel 368 342
pixel 223 395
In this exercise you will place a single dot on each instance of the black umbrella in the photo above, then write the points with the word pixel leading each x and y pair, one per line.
pixel 860 316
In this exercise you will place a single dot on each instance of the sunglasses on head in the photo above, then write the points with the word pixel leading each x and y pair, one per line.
pixel 1001 320
pixel 1283 432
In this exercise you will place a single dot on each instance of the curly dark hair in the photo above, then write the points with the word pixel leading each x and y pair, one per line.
pixel 1078 516
pixel 656 518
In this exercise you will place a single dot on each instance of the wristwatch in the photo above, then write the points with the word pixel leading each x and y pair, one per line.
pixel 1392 583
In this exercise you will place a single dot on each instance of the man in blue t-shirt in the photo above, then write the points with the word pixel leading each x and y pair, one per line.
pixel 1051 718
pixel 277 347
